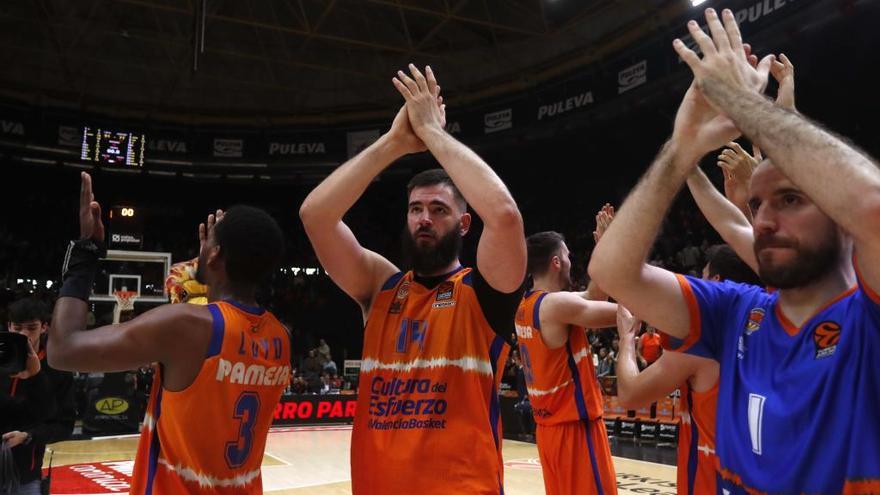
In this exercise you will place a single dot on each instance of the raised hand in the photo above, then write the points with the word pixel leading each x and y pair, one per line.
pixel 725 60
pixel 783 71
pixel 627 326
pixel 738 166
pixel 207 228
pixel 603 220
pixel 699 127
pixel 403 135
pixel 90 224
pixel 424 104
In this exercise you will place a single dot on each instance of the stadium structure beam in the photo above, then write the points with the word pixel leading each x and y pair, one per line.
pixel 286 29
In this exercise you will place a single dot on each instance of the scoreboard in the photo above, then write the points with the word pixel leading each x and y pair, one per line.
pixel 109 147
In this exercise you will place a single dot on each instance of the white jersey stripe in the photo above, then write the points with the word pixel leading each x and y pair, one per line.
pixel 538 392
pixel 205 480
pixel 467 363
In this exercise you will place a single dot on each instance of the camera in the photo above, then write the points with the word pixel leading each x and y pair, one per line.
pixel 13 353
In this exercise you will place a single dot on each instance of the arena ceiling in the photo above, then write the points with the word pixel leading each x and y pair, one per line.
pixel 287 61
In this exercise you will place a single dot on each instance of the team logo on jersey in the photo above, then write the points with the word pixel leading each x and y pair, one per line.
pixel 403 290
pixel 826 336
pixel 402 293
pixel 444 291
pixel 756 316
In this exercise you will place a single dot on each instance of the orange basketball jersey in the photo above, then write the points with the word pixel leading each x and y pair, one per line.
pixel 210 437
pixel 650 347
pixel 697 462
pixel 428 420
pixel 561 382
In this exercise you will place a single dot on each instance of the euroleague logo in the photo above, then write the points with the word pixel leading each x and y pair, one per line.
pixel 756 316
pixel 826 337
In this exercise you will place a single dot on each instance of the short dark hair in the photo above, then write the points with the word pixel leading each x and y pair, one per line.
pixel 542 247
pixel 724 262
pixel 433 177
pixel 251 244
pixel 28 309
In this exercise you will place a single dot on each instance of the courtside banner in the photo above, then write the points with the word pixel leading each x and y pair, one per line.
pixel 315 409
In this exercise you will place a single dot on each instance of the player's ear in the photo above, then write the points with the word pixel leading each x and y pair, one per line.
pixel 214 256
pixel 465 223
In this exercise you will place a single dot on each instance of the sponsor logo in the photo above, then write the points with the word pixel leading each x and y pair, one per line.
pixel 398 399
pixel 741 348
pixel 296 148
pixel 453 127
pixel 111 406
pixel 12 127
pixel 444 291
pixel 359 140
pixel 98 478
pixel 523 331
pixel 443 304
pixel 566 105
pixel 498 121
pixel 228 148
pixel 826 336
pixel 125 239
pixel 254 374
pixel 167 146
pixel 69 136
pixel 756 316
pixel 396 307
pixel 323 409
pixel 632 77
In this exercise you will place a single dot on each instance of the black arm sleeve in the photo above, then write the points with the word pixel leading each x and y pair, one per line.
pixel 58 426
pixel 498 308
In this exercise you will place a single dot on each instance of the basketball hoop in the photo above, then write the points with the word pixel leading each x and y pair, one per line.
pixel 124 302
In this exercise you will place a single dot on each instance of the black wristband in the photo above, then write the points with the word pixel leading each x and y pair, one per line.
pixel 80 266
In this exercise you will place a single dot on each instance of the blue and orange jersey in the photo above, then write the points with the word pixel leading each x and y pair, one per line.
pixel 209 438
pixel 561 382
pixel 800 403
pixel 697 462
pixel 428 417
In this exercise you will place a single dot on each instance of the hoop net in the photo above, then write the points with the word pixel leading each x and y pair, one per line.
pixel 124 302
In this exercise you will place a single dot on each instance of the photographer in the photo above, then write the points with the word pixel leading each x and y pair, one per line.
pixel 39 409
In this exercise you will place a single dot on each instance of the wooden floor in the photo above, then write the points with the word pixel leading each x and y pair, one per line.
pixel 315 460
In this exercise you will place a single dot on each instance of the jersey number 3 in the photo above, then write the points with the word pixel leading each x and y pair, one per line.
pixel 246 409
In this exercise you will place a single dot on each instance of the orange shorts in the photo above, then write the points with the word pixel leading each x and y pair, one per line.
pixel 576 458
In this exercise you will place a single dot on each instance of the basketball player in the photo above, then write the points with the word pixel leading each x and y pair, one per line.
pixel 436 336
pixel 222 367
pixel 696 378
pixel 561 381
pixel 798 388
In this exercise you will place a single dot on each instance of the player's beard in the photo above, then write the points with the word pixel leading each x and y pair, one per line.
pixel 808 265
pixel 428 260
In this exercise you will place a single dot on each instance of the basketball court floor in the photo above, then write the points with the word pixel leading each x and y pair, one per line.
pixel 314 460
